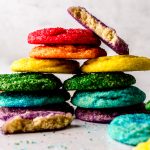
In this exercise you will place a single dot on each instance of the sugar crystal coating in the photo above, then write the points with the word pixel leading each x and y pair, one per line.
pixel 106 115
pixel 120 97
pixel 130 129
pixel 33 99
pixel 29 82
pixel 94 81
pixel 67 52
pixel 63 36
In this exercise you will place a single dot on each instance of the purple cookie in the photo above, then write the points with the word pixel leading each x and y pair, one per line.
pixel 19 120
pixel 106 34
pixel 31 113
pixel 107 115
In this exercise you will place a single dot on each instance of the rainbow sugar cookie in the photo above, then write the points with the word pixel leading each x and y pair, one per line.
pixel 106 115
pixel 37 121
pixel 95 81
pixel 106 34
pixel 29 82
pixel 63 36
pixel 130 129
pixel 67 52
pixel 33 99
pixel 116 63
pixel 45 65
pixel 34 119
pixel 109 98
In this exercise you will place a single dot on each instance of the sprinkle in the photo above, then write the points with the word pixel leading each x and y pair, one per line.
pixel 50 147
pixel 33 142
pixel 27 142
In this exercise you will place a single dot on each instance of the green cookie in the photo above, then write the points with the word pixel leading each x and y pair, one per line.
pixel 147 106
pixel 94 81
pixel 29 82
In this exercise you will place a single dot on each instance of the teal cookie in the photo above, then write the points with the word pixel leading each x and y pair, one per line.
pixel 108 99
pixel 29 82
pixel 32 99
pixel 94 81
pixel 130 129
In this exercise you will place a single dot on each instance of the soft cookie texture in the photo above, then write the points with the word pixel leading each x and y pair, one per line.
pixel 130 129
pixel 63 36
pixel 94 81
pixel 29 82
pixel 143 146
pixel 116 63
pixel 106 34
pixel 26 123
pixel 45 65
pixel 67 52
pixel 108 99
pixel 106 115
pixel 8 112
pixel 32 99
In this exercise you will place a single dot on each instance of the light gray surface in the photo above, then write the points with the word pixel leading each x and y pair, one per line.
pixel 19 17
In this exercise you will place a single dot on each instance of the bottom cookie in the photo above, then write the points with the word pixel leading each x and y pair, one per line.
pixel 26 123
pixel 49 117
pixel 108 114
pixel 9 112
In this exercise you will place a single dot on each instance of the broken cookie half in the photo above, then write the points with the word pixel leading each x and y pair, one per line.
pixel 15 120
pixel 106 34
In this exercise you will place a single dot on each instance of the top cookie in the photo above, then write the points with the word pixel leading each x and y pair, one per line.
pixel 106 34
pixel 116 63
pixel 63 36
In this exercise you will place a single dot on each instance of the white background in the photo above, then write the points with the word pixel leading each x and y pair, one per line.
pixel 131 19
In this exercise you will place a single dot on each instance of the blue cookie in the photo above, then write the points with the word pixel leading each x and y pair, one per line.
pixel 130 129
pixel 108 99
pixel 32 99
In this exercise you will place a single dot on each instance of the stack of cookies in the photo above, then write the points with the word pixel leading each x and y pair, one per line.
pixel 103 90
pixel 102 95
pixel 30 102
pixel 34 100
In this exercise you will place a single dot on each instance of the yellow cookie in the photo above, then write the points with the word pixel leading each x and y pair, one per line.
pixel 116 63
pixel 45 65
pixel 143 146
